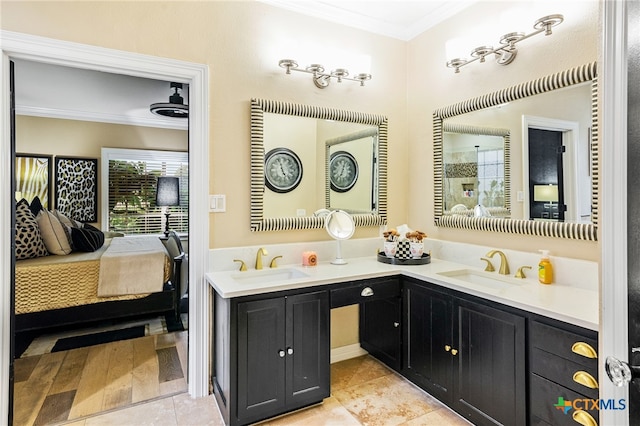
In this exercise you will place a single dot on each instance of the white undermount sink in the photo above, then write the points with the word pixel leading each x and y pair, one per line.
pixel 483 278
pixel 268 275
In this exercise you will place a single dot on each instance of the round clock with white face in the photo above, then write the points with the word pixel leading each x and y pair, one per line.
pixel 282 170
pixel 343 171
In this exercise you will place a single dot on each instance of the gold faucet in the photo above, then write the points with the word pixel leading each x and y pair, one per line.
pixel 243 267
pixel 274 263
pixel 520 273
pixel 261 252
pixel 504 265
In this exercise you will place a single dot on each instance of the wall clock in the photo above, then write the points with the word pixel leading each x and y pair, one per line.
pixel 343 171
pixel 282 170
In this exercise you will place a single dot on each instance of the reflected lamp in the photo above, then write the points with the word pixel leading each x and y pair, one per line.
pixel 167 194
pixel 546 194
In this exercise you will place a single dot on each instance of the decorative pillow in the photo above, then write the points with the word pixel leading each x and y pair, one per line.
pixel 53 233
pixel 28 240
pixel 65 220
pixel 36 206
pixel 87 238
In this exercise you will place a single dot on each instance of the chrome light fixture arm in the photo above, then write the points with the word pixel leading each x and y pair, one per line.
pixel 506 52
pixel 320 78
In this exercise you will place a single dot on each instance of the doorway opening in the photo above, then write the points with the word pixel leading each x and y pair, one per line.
pixel 21 46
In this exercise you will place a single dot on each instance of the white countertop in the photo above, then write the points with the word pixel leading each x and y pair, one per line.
pixel 565 303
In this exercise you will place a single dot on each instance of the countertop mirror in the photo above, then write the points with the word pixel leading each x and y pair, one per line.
pixel 559 201
pixel 306 158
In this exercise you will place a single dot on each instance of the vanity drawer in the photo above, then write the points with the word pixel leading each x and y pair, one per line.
pixel 574 347
pixel 572 375
pixel 365 291
pixel 545 395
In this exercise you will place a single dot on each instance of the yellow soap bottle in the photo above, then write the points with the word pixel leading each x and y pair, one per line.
pixel 545 269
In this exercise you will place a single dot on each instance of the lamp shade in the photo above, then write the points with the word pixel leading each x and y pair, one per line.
pixel 167 192
pixel 546 193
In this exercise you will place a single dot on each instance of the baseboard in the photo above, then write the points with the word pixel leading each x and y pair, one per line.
pixel 347 352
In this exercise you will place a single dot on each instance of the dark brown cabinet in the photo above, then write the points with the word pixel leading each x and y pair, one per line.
pixel 428 340
pixel 563 369
pixel 490 365
pixel 469 355
pixel 380 330
pixel 281 348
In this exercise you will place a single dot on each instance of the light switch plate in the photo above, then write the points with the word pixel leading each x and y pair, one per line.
pixel 520 196
pixel 218 203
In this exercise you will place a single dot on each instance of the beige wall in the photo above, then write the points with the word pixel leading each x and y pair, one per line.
pixel 241 42
pixel 71 138
pixel 574 42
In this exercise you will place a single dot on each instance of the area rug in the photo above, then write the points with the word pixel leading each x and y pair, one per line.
pixel 93 339
pixel 82 337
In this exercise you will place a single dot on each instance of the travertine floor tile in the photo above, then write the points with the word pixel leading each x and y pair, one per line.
pixel 329 413
pixel 197 411
pixel 386 401
pixel 156 413
pixel 356 371
pixel 439 417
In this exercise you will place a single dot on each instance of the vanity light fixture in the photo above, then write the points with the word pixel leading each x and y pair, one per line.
pixel 506 52
pixel 320 77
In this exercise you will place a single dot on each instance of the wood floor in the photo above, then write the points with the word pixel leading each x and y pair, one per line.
pixel 60 386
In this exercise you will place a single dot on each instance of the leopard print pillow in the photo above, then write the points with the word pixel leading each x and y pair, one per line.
pixel 29 243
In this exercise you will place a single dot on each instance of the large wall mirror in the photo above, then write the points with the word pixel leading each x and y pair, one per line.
pixel 305 159
pixel 552 126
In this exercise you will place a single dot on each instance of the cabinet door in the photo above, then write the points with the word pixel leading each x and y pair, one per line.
pixel 307 346
pixel 428 331
pixel 380 330
pixel 261 359
pixel 490 365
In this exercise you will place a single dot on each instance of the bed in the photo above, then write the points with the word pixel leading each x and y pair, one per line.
pixel 53 290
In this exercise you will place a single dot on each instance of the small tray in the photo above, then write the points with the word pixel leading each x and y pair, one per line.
pixel 426 258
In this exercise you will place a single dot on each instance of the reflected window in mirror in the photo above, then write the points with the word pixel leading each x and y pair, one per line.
pixel 475 169
pixel 351 145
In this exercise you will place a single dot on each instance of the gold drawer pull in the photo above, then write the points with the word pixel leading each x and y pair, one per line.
pixel 584 349
pixel 447 348
pixel 584 418
pixel 585 379
pixel 454 352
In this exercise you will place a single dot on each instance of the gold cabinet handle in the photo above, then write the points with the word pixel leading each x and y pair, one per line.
pixel 585 379
pixel 584 349
pixel 447 348
pixel 454 352
pixel 584 418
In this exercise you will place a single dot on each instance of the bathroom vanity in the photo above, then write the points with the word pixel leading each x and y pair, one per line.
pixel 496 349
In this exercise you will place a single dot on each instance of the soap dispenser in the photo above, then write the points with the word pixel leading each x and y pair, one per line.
pixel 545 268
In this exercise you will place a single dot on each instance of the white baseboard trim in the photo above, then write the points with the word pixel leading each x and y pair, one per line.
pixel 346 352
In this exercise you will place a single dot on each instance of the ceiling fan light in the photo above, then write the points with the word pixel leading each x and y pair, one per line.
pixel 175 108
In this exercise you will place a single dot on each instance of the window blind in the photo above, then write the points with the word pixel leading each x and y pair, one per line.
pixel 132 178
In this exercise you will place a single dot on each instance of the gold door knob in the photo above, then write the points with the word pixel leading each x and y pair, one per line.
pixel 584 418
pixel 454 352
pixel 585 379
pixel 584 349
pixel 447 348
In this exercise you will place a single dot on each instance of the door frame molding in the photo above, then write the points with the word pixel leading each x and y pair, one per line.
pixel 613 333
pixel 570 139
pixel 41 49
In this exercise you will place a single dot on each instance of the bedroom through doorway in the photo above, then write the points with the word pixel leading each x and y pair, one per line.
pixel 149 351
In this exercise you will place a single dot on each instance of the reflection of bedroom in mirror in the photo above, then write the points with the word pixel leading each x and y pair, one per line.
pixel 114 316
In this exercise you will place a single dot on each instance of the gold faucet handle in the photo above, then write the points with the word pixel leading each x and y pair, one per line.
pixel 243 267
pixel 520 273
pixel 273 263
pixel 489 267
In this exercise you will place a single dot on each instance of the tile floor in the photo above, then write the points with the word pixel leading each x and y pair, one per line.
pixel 363 392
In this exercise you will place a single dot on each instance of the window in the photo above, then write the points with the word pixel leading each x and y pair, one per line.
pixel 129 179
pixel 491 178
